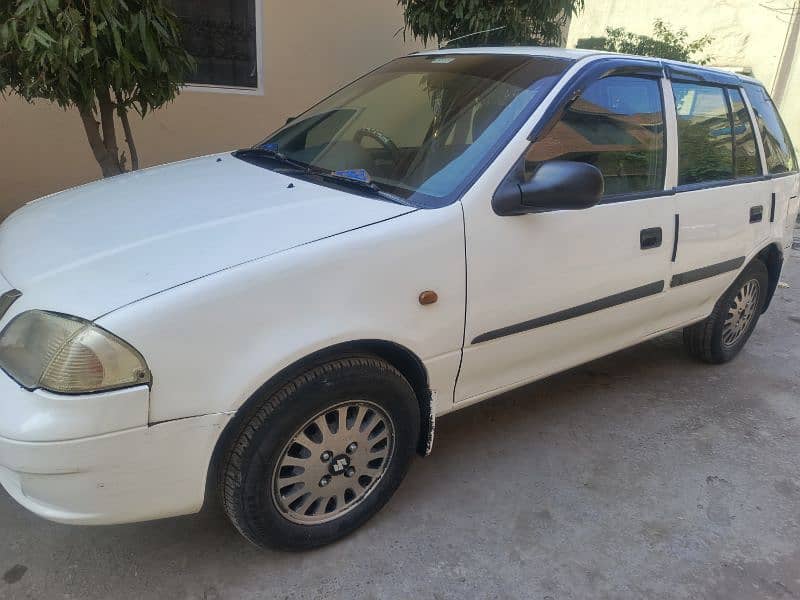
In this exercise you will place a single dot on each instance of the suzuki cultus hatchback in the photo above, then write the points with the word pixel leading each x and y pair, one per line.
pixel 282 325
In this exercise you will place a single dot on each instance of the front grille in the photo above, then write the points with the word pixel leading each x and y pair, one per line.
pixel 7 299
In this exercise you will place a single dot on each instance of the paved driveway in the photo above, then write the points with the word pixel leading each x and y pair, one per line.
pixel 641 475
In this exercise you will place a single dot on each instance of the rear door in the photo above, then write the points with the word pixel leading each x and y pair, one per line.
pixel 722 199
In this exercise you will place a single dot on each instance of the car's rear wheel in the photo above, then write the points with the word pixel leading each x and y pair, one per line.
pixel 320 455
pixel 721 336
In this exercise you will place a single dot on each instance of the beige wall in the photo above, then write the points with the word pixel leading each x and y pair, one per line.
pixel 745 32
pixel 307 52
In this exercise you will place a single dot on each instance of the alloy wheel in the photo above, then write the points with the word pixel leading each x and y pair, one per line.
pixel 741 313
pixel 333 462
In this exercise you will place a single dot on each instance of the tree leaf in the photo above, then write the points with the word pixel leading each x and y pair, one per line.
pixel 66 50
pixel 512 21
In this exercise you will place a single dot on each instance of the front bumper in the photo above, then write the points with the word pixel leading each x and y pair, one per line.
pixel 135 475
pixel 94 459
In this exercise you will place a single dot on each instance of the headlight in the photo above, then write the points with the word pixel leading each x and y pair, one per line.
pixel 68 355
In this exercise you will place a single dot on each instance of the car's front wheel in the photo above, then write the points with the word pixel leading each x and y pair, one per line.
pixel 320 455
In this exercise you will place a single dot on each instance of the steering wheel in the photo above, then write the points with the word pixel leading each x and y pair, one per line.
pixel 384 140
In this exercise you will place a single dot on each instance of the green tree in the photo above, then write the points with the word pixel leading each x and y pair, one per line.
pixel 664 43
pixel 102 57
pixel 514 22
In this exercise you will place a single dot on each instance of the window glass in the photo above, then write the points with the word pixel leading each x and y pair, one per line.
pixel 421 126
pixel 325 125
pixel 705 143
pixel 777 146
pixel 221 35
pixel 617 125
pixel 745 151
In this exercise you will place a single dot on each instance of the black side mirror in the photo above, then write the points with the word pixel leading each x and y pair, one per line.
pixel 555 185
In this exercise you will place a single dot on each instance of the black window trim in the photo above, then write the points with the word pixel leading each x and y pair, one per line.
pixel 704 185
pixel 592 72
pixel 700 75
pixel 726 182
pixel 689 187
pixel 677 73
pixel 651 69
pixel 780 175
pixel 654 69
pixel 631 196
pixel 595 71
pixel 726 87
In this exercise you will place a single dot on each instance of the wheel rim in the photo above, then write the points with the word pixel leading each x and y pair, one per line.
pixel 741 313
pixel 333 462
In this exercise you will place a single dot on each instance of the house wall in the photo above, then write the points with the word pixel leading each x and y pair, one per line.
pixel 746 33
pixel 307 53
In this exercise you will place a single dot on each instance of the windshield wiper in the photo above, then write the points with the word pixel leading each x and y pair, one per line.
pixel 360 184
pixel 310 170
pixel 276 156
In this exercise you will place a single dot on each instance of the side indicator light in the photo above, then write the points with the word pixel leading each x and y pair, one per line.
pixel 428 297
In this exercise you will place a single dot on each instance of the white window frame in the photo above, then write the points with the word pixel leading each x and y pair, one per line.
pixel 245 91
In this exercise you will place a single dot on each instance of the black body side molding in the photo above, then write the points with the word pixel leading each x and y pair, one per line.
pixel 706 272
pixel 577 311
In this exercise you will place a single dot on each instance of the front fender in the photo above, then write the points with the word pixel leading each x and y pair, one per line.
pixel 213 342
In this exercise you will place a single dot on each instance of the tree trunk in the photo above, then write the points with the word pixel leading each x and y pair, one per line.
pixel 126 127
pixel 108 126
pixel 109 163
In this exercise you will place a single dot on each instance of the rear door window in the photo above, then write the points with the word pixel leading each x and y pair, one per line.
pixel 705 139
pixel 617 125
pixel 778 149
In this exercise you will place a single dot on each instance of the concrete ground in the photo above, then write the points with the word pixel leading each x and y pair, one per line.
pixel 641 475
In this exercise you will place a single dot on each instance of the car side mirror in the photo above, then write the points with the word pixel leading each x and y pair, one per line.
pixel 554 185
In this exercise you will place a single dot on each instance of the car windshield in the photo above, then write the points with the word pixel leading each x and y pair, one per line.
pixel 421 128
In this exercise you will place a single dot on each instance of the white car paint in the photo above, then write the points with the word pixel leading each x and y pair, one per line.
pixel 221 275
pixel 152 230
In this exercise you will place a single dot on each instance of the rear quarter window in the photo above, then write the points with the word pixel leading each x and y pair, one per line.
pixel 778 150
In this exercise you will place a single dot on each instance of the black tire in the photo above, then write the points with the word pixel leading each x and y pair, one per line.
pixel 249 467
pixel 704 340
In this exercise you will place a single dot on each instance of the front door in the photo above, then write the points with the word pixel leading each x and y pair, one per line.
pixel 548 291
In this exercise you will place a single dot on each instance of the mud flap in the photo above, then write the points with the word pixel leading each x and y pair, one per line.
pixel 428 422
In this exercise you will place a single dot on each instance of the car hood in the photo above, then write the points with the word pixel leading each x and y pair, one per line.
pixel 92 249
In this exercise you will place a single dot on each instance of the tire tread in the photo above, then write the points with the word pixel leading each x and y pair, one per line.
pixel 230 478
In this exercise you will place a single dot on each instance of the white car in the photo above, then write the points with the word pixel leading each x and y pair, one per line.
pixel 282 325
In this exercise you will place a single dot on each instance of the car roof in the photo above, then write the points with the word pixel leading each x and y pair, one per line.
pixel 579 53
pixel 572 53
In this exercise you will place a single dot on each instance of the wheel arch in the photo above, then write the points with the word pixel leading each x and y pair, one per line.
pixel 772 257
pixel 400 357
